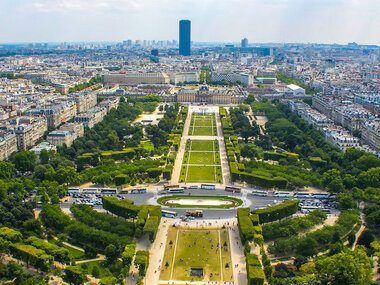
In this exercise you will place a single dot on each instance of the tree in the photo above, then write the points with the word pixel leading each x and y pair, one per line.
pixel 307 246
pixel 366 238
pixel 44 156
pixel 349 267
pixel 111 253
pixel 7 170
pixel 95 271
pixel 74 275
pixel 24 160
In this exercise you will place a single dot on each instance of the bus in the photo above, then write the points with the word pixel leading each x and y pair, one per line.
pixel 208 186
pixel 176 190
pixel 123 192
pixel 195 213
pixel 259 193
pixel 90 191
pixel 73 191
pixel 282 194
pixel 138 191
pixel 309 209
pixel 233 189
pixel 301 195
pixel 167 187
pixel 320 195
pixel 108 191
pixel 168 214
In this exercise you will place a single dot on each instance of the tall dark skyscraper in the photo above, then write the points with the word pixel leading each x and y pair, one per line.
pixel 184 37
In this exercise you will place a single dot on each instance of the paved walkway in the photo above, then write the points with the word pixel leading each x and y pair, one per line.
pixel 223 153
pixel 181 150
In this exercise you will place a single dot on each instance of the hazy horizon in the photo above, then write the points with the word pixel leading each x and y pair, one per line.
pixel 213 21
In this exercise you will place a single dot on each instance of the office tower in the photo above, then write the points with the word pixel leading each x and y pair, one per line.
pixel 154 52
pixel 184 37
pixel 244 43
pixel 174 42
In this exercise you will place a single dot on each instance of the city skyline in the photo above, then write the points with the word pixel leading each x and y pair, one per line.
pixel 295 21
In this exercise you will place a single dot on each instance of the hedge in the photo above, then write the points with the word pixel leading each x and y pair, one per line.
pixel 276 156
pixel 32 256
pixel 142 261
pixel 151 227
pixel 128 253
pixel 123 208
pixel 102 221
pixel 278 212
pixel 120 179
pixel 255 273
pixel 245 225
pixel 255 219
pixel 59 253
pixel 10 234
pixel 268 182
pixel 258 239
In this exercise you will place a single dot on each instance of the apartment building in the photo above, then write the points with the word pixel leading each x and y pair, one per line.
pixel 56 113
pixel 84 101
pixel 8 144
pixel 90 118
pixel 244 78
pixel 29 130
pixel 340 137
pixel 132 78
pixel 66 134
pixel 371 134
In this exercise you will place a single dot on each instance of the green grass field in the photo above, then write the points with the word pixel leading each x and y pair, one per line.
pixel 202 145
pixel 203 125
pixel 194 248
pixel 202 157
pixel 201 162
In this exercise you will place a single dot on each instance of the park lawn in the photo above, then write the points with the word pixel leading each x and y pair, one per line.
pixel 147 145
pixel 74 253
pixel 196 157
pixel 200 174
pixel 196 248
pixel 202 145
pixel 226 256
pixel 88 266
pixel 201 131
pixel 203 122
pixel 168 255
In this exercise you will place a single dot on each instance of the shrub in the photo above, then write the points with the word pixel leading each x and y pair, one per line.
pixel 270 214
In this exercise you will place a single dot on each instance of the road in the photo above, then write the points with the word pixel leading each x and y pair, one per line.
pixel 253 202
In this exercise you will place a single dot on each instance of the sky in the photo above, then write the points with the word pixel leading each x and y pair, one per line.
pixel 261 21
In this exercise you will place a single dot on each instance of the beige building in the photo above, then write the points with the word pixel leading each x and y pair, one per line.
pixel 84 101
pixel 205 94
pixel 132 78
pixel 66 134
pixel 8 145
pixel 371 134
pixel 29 131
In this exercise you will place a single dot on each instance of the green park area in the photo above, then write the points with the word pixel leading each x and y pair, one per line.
pixel 206 250
pixel 203 125
pixel 201 162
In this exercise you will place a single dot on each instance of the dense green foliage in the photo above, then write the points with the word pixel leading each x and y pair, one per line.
pixel 102 221
pixel 291 227
pixel 278 212
pixel 308 244
pixel 122 208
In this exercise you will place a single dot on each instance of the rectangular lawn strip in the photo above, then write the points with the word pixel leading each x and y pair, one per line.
pixel 202 145
pixel 202 131
pixel 226 256
pixel 198 157
pixel 200 173
pixel 168 255
pixel 197 248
